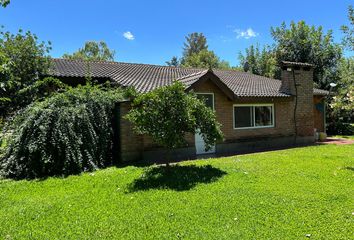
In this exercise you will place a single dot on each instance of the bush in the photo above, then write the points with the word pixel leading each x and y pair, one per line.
pixel 65 134
pixel 339 128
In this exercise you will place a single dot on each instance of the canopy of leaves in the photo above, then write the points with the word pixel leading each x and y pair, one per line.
pixel 261 62
pixel 92 50
pixel 196 54
pixel 195 42
pixel 23 60
pixel 174 62
pixel 67 133
pixel 4 3
pixel 298 43
pixel 167 114
pixel 202 59
pixel 348 39
pixel 343 102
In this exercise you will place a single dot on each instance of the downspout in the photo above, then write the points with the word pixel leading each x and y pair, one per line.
pixel 295 107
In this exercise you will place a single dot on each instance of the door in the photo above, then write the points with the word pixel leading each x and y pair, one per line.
pixel 208 98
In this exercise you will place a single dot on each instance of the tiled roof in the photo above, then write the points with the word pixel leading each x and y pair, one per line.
pixel 146 77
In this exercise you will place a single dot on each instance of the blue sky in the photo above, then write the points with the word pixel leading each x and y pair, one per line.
pixel 155 30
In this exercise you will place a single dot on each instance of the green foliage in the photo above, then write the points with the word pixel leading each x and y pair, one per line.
pixel 67 133
pixel 340 112
pixel 174 62
pixel 348 31
pixel 298 43
pixel 197 55
pixel 167 114
pixel 261 62
pixel 23 60
pixel 303 43
pixel 274 195
pixel 195 43
pixel 93 51
pixel 4 3
pixel 202 59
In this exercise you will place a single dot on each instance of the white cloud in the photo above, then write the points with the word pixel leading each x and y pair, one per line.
pixel 247 34
pixel 128 35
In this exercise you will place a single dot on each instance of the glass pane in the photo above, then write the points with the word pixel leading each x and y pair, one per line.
pixel 263 116
pixel 243 117
pixel 207 98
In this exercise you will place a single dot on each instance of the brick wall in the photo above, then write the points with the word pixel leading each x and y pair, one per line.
pixel 302 90
pixel 132 145
pixel 284 125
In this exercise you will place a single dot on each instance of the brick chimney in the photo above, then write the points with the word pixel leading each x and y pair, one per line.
pixel 297 80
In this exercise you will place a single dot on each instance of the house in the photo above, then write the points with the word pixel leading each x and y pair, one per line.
pixel 255 112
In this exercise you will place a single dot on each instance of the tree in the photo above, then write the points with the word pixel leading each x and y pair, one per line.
pixel 260 62
pixel 167 114
pixel 298 43
pixel 195 42
pixel 348 39
pixel 302 43
pixel 65 134
pixel 97 51
pixel 23 61
pixel 4 3
pixel 342 104
pixel 174 62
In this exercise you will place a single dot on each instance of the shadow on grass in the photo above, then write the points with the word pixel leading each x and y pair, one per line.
pixel 178 178
pixel 349 168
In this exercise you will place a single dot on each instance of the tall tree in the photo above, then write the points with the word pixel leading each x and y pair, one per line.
pixel 195 42
pixel 174 62
pixel 4 3
pixel 348 39
pixel 303 43
pixel 260 62
pixel 23 61
pixel 93 51
pixel 298 43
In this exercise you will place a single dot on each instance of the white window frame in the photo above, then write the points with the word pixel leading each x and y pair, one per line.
pixel 207 93
pixel 254 119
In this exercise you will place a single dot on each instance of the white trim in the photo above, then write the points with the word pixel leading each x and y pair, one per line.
pixel 253 105
pixel 208 93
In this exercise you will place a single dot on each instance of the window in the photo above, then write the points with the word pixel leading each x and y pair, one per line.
pixel 253 116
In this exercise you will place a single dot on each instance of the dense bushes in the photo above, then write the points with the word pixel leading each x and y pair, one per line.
pixel 65 134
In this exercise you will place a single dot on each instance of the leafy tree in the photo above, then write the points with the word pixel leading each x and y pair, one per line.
pixel 167 114
pixel 342 104
pixel 4 3
pixel 260 62
pixel 92 50
pixel 67 133
pixel 302 43
pixel 348 39
pixel 202 59
pixel 195 43
pixel 298 43
pixel 174 62
pixel 23 61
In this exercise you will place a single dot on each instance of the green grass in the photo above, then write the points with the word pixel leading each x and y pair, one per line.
pixel 275 195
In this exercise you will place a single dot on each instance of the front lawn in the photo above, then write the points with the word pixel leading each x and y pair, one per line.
pixel 284 194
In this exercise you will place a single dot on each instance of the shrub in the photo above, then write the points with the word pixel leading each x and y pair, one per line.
pixel 168 113
pixel 67 133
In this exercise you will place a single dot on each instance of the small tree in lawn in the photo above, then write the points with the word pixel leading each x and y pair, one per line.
pixel 168 113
